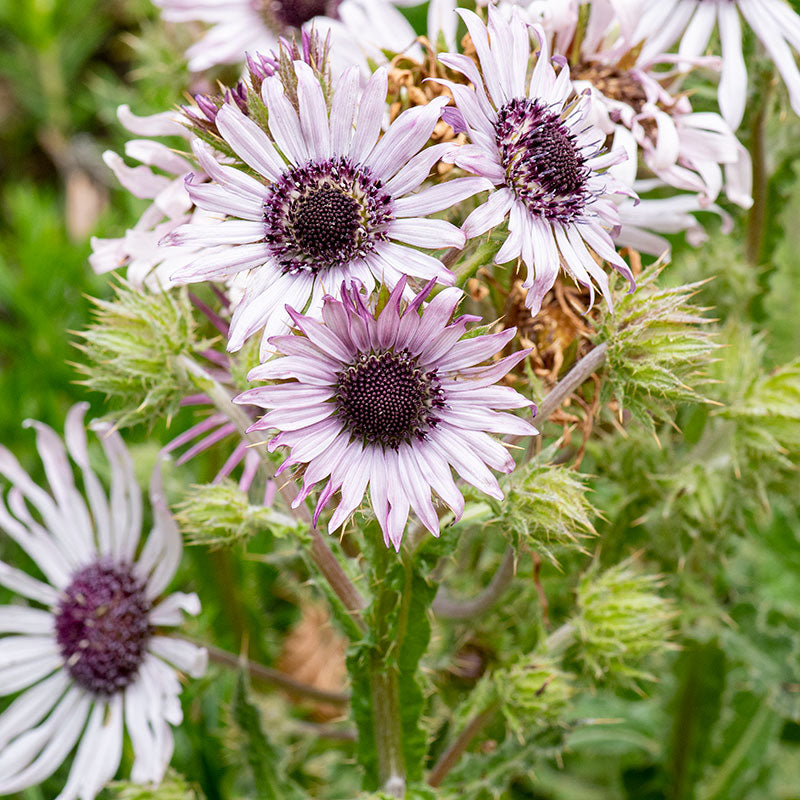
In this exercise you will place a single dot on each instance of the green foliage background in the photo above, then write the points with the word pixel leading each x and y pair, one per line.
pixel 714 508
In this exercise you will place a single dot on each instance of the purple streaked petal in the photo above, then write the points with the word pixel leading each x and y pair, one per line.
pixel 451 447
pixel 322 337
pixel 292 418
pixel 232 231
pixel 206 442
pixel 301 369
pixel 359 464
pixel 412 262
pixel 223 264
pixel 435 234
pixel 473 351
pixel 370 115
pixel 249 142
pixel 436 315
pixel 489 214
pixel 437 472
pixel 481 419
pixel 405 137
pixel 416 170
pixel 466 380
pixel 313 112
pixel 437 198
pixel 283 123
pixel 417 488
pixel 343 110
pixel 217 199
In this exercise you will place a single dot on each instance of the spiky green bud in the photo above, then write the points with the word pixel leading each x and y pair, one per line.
pixel 531 692
pixel 133 349
pixel 220 515
pixel 545 507
pixel 621 619
pixel 173 787
pixel 658 347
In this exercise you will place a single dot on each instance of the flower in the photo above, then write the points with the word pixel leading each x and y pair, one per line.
pixel 138 250
pixel 392 401
pixel 686 149
pixel 541 155
pixel 360 29
pixel 334 201
pixel 87 652
pixel 664 22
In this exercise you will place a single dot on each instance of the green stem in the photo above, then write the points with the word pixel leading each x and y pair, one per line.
pixel 388 730
pixel 758 211
pixel 383 679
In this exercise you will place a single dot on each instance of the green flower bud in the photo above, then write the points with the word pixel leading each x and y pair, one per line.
pixel 133 350
pixel 220 515
pixel 621 619
pixel 545 506
pixel 657 349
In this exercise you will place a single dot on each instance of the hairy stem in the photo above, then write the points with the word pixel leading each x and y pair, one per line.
pixel 267 675
pixel 388 729
pixel 450 757
pixel 444 605
pixel 321 553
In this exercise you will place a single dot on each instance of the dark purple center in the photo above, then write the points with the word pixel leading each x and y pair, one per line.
pixel 294 13
pixel 386 399
pixel 325 222
pixel 102 627
pixel 325 214
pixel 543 164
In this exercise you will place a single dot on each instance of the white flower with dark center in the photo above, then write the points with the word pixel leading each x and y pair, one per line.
pixel 334 200
pixel 392 402
pixel 664 22
pixel 86 653
pixel 359 29
pixel 544 158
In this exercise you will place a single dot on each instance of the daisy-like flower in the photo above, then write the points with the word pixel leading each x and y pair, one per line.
pixel 87 652
pixel 392 401
pixel 359 29
pixel 334 201
pixel 686 149
pixel 138 251
pixel 542 156
pixel 664 22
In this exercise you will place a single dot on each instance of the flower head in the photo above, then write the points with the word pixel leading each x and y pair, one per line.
pixel 664 22
pixel 360 29
pixel 542 156
pixel 392 401
pixel 333 201
pixel 87 652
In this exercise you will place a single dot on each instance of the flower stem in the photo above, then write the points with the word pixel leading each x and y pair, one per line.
pixel 388 729
pixel 321 553
pixel 758 211
pixel 444 605
pixel 260 673
pixel 450 757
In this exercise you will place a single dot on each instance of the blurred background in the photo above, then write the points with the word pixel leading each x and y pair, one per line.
pixel 720 722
